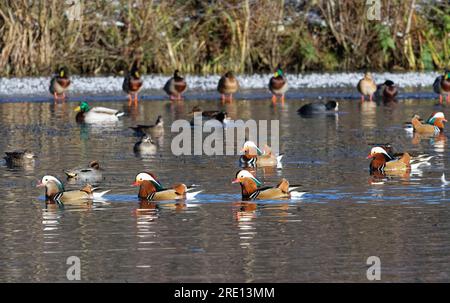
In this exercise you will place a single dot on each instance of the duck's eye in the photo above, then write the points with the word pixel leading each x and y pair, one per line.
pixel 140 179
pixel 45 180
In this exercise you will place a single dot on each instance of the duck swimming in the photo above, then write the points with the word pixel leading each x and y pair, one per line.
pixel 384 161
pixel 220 116
pixel 252 188
pixel 228 85
pixel 59 83
pixel 155 131
pixel 19 158
pixel 254 156
pixel 319 108
pixel 434 125
pixel 366 86
pixel 145 146
pixel 90 174
pixel 151 189
pixel 441 86
pixel 96 114
pixel 55 192
pixel 175 86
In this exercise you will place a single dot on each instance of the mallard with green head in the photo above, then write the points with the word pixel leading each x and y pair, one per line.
pixel 228 85
pixel 59 83
pixel 132 83
pixel 175 86
pixel 441 86
pixel 278 85
pixel 96 114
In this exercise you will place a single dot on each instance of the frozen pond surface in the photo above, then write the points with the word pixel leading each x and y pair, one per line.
pixel 326 236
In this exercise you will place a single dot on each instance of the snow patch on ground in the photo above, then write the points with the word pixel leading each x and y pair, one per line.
pixel 109 84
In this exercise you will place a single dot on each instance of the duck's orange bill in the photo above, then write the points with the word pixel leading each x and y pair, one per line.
pixel 369 157
pixel 135 184
pixel 236 181
pixel 39 184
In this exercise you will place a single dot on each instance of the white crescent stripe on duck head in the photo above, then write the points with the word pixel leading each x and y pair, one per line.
pixel 246 174
pixel 46 179
pixel 379 150
pixel 148 177
pixel 438 115
pixel 249 144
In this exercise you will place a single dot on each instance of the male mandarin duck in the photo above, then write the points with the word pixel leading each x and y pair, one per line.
pixel 228 85
pixel 151 189
pixel 175 86
pixel 384 161
pixel 278 84
pixel 59 83
pixel 55 192
pixel 19 158
pixel 90 174
pixel 366 86
pixel 254 156
pixel 96 114
pixel 387 91
pixel 220 116
pixel 441 86
pixel 252 188
pixel 155 131
pixel 132 83
pixel 434 124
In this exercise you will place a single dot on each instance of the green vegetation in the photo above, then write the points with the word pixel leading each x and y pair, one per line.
pixel 214 36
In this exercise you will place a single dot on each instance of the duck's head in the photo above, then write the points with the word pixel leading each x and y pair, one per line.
pixel 368 75
pixel 147 139
pixel 378 150
pixel 278 71
pixel 447 74
pixel 149 177
pixel 159 120
pixel 437 119
pixel 251 149
pixel 94 164
pixel 28 154
pixel 389 83
pixel 63 72
pixel 176 74
pixel 229 74
pixel 47 180
pixel 243 175
pixel 332 105
pixel 83 107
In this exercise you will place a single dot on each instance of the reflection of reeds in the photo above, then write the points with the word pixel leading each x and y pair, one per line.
pixel 215 36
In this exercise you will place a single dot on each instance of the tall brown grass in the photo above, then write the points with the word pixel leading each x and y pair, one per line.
pixel 214 36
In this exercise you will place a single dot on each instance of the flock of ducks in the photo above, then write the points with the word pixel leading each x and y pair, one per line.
pixel 383 159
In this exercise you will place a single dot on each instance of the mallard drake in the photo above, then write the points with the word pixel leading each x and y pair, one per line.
pixel 434 125
pixel 90 174
pixel 197 111
pixel 155 131
pixel 278 84
pixel 366 86
pixel 96 114
pixel 228 85
pixel 319 108
pixel 19 158
pixel 151 189
pixel 252 188
pixel 441 86
pixel 132 83
pixel 145 146
pixel 54 192
pixel 254 156
pixel 384 161
pixel 386 91
pixel 59 83
pixel 175 86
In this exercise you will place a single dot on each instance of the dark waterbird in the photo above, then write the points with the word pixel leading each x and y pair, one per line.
pixel 59 83
pixel 155 131
pixel 319 108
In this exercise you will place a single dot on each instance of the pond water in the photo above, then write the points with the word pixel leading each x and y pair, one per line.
pixel 326 236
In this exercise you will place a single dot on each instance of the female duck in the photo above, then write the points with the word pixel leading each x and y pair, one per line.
pixel 90 174
pixel 19 158
pixel 278 85
pixel 366 86
pixel 383 161
pixel 254 156
pixel 228 85
pixel 151 189
pixel 252 188
pixel 96 114
pixel 155 131
pixel 175 86
pixel 54 192
pixel 145 146
pixel 59 83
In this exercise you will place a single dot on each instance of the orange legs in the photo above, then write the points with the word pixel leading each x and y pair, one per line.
pixel 224 98
pixel 274 99
pixel 131 98
pixel 56 97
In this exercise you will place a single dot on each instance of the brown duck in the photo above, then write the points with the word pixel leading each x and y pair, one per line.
pixel 384 162
pixel 228 85
pixel 366 86
pixel 434 125
pixel 175 86
pixel 151 189
pixel 132 83
pixel 252 189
